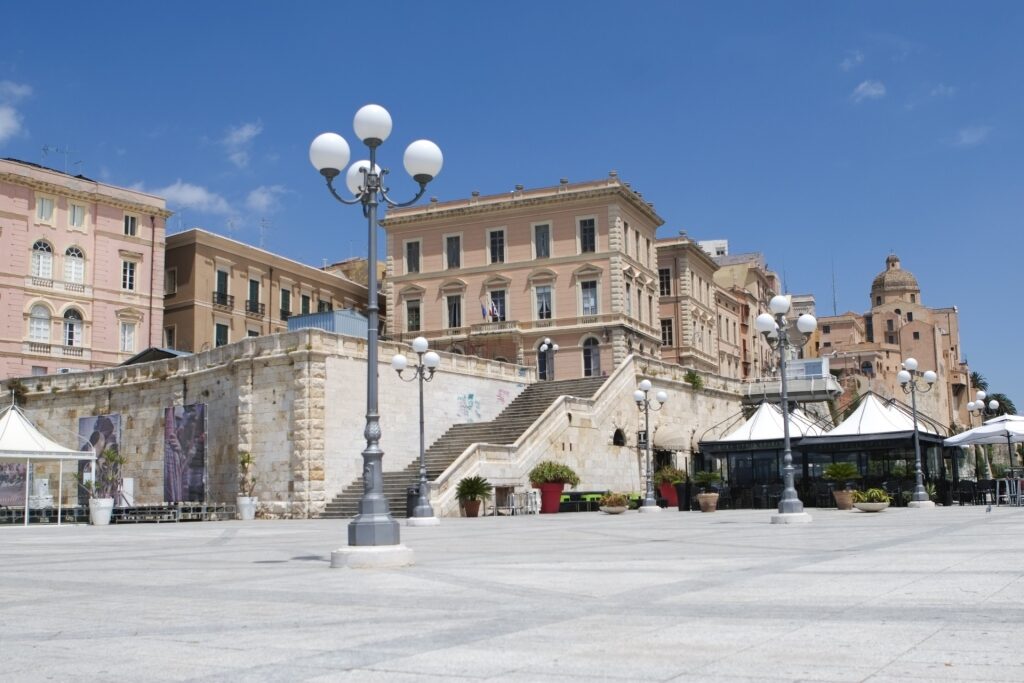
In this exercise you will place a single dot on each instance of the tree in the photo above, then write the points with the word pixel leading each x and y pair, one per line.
pixel 978 381
pixel 1006 406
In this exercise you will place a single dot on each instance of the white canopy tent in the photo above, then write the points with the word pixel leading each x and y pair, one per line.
pixel 20 440
pixel 1008 429
pixel 766 425
pixel 875 416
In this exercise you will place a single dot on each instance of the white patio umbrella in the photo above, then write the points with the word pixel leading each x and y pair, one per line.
pixel 1008 429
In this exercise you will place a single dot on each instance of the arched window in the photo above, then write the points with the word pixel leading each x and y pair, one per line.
pixel 39 324
pixel 72 328
pixel 619 438
pixel 42 260
pixel 74 265
pixel 591 358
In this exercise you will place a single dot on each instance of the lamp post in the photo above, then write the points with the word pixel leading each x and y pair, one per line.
pixel 422 514
pixel 329 154
pixel 775 328
pixel 549 350
pixel 643 404
pixel 991 409
pixel 910 386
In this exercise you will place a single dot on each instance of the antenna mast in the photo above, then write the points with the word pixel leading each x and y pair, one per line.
pixel 834 312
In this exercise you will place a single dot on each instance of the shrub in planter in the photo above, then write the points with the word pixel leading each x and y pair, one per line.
pixel 613 503
pixel 708 499
pixel 471 491
pixel 872 500
pixel 245 501
pixel 842 473
pixel 551 477
pixel 665 479
pixel 106 488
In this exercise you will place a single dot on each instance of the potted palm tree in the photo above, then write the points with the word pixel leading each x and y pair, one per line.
pixel 470 492
pixel 246 502
pixel 666 479
pixel 708 497
pixel 105 488
pixel 843 474
pixel 551 477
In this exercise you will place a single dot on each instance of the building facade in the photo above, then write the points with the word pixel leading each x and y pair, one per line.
pixel 747 280
pixel 80 267
pixel 219 290
pixel 497 276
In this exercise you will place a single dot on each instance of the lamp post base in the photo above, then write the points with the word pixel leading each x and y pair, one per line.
pixel 791 518
pixel 372 557
pixel 649 508
pixel 920 504
pixel 422 521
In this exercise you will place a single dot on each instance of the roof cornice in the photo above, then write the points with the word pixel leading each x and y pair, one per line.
pixel 86 195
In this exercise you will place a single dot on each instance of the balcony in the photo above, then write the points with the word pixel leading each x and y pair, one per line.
pixel 72 351
pixel 39 347
pixel 74 287
pixel 497 327
pixel 223 300
pixel 254 309
pixel 41 282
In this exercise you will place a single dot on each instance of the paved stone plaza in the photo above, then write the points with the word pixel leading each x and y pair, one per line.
pixel 901 595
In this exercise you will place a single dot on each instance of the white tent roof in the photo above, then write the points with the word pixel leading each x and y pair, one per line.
pixel 20 440
pixel 874 416
pixel 997 431
pixel 766 425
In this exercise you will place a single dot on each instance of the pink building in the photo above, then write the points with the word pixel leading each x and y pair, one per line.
pixel 80 271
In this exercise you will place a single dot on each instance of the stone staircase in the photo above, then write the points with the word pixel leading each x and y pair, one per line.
pixel 504 429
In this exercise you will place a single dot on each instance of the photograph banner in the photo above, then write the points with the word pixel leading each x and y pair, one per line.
pixel 98 433
pixel 185 454
pixel 12 484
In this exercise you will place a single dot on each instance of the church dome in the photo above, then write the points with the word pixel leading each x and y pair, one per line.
pixel 894 280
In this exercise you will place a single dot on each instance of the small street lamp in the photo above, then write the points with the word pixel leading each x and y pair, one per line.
pixel 775 329
pixel 422 514
pixel 549 350
pixel 643 404
pixel 911 386
pixel 329 154
pixel 983 411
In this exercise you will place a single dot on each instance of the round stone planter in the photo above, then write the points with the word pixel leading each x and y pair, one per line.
pixel 613 509
pixel 246 507
pixel 100 510
pixel 844 499
pixel 870 507
pixel 708 501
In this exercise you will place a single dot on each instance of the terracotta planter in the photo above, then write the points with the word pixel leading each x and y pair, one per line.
pixel 708 501
pixel 472 507
pixel 668 492
pixel 844 499
pixel 550 496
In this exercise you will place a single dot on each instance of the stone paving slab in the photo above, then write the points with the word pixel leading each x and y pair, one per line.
pixel 915 595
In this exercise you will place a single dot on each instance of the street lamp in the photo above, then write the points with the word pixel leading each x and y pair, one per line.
pixel 329 154
pixel 910 386
pixel 643 404
pixel 549 350
pixel 775 328
pixel 983 411
pixel 422 514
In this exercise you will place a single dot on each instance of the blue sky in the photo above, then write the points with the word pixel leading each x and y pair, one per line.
pixel 823 134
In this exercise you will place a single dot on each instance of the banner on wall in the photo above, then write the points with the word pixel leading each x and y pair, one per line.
pixel 185 454
pixel 12 484
pixel 99 433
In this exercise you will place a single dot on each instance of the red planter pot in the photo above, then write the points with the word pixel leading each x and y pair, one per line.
pixel 550 497
pixel 668 492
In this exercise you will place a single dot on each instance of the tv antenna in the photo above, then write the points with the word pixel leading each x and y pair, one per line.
pixel 264 227
pixel 65 150
pixel 834 306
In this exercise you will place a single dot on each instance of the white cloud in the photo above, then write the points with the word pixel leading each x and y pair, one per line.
pixel 265 199
pixel 943 90
pixel 868 90
pixel 238 140
pixel 853 59
pixel 188 196
pixel 10 122
pixel 13 92
pixel 972 136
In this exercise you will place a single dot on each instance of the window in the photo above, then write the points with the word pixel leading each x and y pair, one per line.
pixel 171 281
pixel 304 305
pixel 44 210
pixel 878 301
pixel 131 225
pixel 497 305
pixel 39 370
pixel 542 294
pixel 650 309
pixel 826 344
pixel 324 306
pixel 76 216
pixel 591 358
pixel 220 334
pixel 412 316
pixel 497 245
pixel 127 337
pixel 913 298
pixel 74 265
pixel 253 303
pixel 128 275
pixel 542 241
pixel 454 307
pixel 42 260
pixel 891 339
pixel 629 299
pixel 222 287
pixel 286 303
pixel 826 329
pixel 917 335
pixel 588 235
pixel 252 333
pixel 412 257
pixel 647 250
pixel 665 282
pixel 666 332
pixel 910 316
pixel 588 297
pixel 169 337
pixel 72 328
pixel 889 325
pixel 638 252
pixel 39 324
pixel 453 251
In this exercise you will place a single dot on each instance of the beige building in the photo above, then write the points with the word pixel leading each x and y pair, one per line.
pixel 866 350
pixel 219 290
pixel 495 276
pixel 746 278
pixel 80 265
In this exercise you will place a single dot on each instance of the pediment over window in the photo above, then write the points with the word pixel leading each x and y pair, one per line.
pixel 129 314
pixel 453 286
pixel 497 282
pixel 411 292
pixel 541 275
pixel 588 271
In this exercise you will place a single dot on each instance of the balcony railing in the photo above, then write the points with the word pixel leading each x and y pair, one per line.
pixel 74 287
pixel 42 282
pixel 254 309
pixel 498 326
pixel 223 300
pixel 72 350
pixel 38 347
